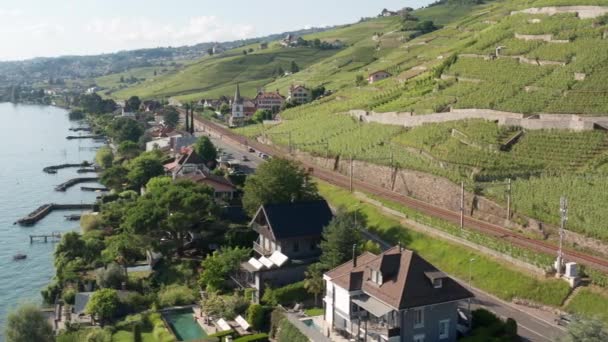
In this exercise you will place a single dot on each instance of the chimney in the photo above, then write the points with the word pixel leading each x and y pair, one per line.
pixel 400 247
pixel 355 255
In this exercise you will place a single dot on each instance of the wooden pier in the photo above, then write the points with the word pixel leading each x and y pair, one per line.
pixel 54 168
pixel 42 211
pixel 71 137
pixel 53 237
pixel 93 188
pixel 74 181
pixel 81 129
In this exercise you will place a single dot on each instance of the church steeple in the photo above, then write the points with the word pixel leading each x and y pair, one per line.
pixel 237 95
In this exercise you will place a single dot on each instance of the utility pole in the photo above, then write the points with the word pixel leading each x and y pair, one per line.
pixel 471 289
pixel 351 173
pixel 563 210
pixel 509 199
pixel 461 205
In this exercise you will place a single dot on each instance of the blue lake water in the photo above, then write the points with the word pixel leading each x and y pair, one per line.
pixel 34 137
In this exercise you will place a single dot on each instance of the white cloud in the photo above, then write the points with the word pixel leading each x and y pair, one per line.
pixel 10 12
pixel 142 32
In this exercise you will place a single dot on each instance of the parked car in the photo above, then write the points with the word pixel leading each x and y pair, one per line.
pixel 251 150
pixel 245 158
pixel 265 156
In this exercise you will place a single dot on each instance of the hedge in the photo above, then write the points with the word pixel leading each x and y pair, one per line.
pixel 289 333
pixel 253 338
pixel 286 295
pixel 258 317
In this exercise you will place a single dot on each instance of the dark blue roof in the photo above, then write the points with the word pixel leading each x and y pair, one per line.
pixel 300 219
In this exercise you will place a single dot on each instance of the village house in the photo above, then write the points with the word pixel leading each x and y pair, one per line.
pixel 394 296
pixel 289 40
pixel 388 13
pixel 299 94
pixel 378 76
pixel 188 162
pixel 223 189
pixel 289 235
pixel 271 101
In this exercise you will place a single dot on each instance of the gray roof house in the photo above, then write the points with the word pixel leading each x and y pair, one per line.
pixel 288 241
pixel 394 296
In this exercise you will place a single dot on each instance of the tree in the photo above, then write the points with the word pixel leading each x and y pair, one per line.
pixel 588 330
pixel 225 108
pixel 143 168
pixel 210 51
pixel 103 304
pixel 277 181
pixel 316 92
pixel 132 104
pixel 111 277
pixel 338 239
pixel 205 149
pixel 372 247
pixel 218 267
pixel 360 80
pixel 245 52
pixel 122 79
pixel 170 213
pixel 115 177
pixel 128 149
pixel 261 115
pixel 125 129
pixel 294 67
pixel 313 281
pixel 426 26
pixel 124 249
pixel 104 157
pixel 171 117
pixel 27 323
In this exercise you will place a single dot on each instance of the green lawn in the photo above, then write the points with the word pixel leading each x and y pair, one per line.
pixel 590 303
pixel 487 273
pixel 314 312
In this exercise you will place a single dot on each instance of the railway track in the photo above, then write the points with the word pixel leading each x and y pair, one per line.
pixel 343 181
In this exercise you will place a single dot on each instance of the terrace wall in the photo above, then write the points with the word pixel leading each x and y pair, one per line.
pixel 534 122
pixel 583 12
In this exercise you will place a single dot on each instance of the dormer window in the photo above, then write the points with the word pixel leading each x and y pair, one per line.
pixel 376 277
pixel 436 278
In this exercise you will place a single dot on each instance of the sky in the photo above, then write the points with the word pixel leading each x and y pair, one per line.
pixel 48 28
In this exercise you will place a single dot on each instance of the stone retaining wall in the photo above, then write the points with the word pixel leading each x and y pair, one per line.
pixel 583 12
pixel 535 122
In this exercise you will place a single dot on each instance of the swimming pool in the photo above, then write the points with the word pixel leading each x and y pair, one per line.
pixel 310 323
pixel 183 325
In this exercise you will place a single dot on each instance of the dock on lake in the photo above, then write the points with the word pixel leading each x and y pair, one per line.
pixel 53 237
pixel 71 137
pixel 42 211
pixel 64 186
pixel 54 168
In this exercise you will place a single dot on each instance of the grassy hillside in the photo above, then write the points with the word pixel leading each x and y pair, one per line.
pixel 450 67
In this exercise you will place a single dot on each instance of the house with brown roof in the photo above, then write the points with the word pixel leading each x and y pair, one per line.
pixel 299 94
pixel 289 237
pixel 394 296
pixel 223 189
pixel 271 101
pixel 188 161
pixel 378 76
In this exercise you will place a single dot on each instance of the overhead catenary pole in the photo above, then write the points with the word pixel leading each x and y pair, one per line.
pixel 461 205
pixel 509 199
pixel 563 210
pixel 351 173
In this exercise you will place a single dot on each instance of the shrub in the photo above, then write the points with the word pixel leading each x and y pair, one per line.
pixel 258 317
pixel 289 294
pixel 89 222
pixel 50 293
pixel 175 295
pixel 68 296
pixel 135 302
pixel 111 277
pixel 99 335
pixel 253 338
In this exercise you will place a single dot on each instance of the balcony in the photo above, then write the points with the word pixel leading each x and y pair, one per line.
pixel 261 250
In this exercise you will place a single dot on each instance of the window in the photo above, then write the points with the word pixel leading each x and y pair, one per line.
pixel 444 329
pixel 418 318
pixel 419 338
pixel 438 283
pixel 296 246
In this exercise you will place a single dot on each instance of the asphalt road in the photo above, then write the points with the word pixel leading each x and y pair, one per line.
pixel 530 327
